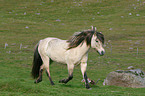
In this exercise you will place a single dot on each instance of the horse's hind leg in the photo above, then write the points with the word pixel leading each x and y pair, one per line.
pixel 48 74
pixel 39 79
pixel 46 61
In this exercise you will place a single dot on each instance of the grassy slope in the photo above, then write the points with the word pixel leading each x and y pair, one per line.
pixel 26 22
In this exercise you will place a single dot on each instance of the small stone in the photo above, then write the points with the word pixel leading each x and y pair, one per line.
pixel 137 15
pixel 25 13
pixel 26 27
pixel 58 20
pixel 130 13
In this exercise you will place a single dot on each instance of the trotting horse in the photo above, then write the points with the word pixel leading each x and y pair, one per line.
pixel 72 51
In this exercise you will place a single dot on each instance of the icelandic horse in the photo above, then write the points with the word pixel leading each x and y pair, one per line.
pixel 72 51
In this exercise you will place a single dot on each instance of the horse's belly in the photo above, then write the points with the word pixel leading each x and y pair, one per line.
pixel 57 58
pixel 57 55
pixel 64 57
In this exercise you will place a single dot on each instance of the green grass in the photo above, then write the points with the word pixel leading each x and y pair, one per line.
pixel 27 21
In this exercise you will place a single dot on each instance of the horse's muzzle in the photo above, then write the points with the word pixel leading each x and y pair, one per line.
pixel 101 53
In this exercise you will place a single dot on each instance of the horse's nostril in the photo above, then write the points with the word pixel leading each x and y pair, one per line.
pixel 102 52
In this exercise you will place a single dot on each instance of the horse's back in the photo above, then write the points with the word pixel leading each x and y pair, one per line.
pixel 43 44
pixel 54 48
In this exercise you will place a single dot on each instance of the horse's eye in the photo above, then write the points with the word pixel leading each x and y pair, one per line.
pixel 96 40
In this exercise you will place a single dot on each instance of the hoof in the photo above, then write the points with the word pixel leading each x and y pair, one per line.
pixel 52 83
pixel 37 81
pixel 62 81
pixel 89 88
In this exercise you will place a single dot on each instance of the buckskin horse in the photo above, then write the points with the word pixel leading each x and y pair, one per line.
pixel 72 51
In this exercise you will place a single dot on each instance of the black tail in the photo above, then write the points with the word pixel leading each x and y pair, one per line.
pixel 37 62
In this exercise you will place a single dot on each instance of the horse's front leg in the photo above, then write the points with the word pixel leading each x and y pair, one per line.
pixel 83 69
pixel 70 71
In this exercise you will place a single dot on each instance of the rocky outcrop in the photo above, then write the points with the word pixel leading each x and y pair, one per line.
pixel 134 78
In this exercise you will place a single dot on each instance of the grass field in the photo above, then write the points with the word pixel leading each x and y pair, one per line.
pixel 24 22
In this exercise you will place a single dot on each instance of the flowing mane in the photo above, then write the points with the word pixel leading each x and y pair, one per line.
pixel 84 36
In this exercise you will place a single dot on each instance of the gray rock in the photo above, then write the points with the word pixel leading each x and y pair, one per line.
pixel 130 78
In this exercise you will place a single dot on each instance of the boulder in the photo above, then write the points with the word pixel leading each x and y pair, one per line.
pixel 134 78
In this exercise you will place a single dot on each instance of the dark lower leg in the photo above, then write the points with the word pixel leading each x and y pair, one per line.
pixel 86 80
pixel 49 78
pixel 66 80
pixel 39 79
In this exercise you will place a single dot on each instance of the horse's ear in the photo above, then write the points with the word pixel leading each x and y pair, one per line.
pixel 94 28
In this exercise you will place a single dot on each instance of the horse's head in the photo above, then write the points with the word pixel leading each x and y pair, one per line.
pixel 91 37
pixel 97 42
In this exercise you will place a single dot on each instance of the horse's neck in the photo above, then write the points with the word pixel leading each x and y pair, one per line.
pixel 83 48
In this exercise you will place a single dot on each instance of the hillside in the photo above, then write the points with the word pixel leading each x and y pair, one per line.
pixel 24 22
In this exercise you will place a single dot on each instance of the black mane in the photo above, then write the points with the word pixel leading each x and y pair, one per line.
pixel 84 36
pixel 100 36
